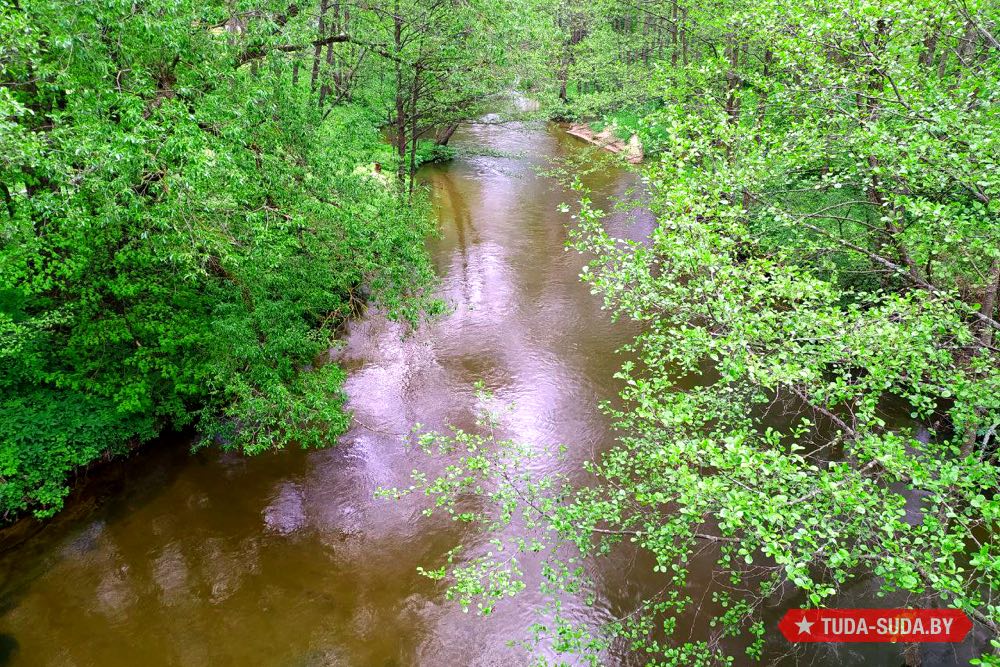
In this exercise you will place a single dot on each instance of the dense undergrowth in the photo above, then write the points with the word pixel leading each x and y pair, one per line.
pixel 181 234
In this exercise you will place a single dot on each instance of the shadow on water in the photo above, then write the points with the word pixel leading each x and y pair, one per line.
pixel 8 649
pixel 106 493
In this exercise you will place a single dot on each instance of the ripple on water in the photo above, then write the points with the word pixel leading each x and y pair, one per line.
pixel 285 514
pixel 287 559
pixel 172 576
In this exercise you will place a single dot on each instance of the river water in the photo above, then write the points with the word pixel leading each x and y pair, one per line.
pixel 287 559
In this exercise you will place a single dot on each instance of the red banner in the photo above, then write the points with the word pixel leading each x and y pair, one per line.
pixel 875 625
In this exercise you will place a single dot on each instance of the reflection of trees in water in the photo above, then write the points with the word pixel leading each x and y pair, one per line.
pixel 455 203
pixel 218 556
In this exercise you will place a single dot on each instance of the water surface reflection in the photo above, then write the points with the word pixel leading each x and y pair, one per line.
pixel 286 559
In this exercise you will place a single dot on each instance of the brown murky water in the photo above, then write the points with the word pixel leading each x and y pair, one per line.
pixel 287 559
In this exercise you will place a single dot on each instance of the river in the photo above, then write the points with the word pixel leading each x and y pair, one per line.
pixel 287 559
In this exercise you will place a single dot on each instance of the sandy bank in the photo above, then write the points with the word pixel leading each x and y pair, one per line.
pixel 606 139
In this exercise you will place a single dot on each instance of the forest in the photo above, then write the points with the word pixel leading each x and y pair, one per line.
pixel 201 199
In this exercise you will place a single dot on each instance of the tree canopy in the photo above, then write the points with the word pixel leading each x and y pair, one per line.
pixel 826 262
pixel 193 204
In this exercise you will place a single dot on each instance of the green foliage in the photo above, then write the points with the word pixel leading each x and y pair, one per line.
pixel 430 152
pixel 825 267
pixel 182 236
pixel 48 434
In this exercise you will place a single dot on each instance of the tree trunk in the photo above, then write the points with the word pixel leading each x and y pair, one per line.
pixel 732 79
pixel 930 46
pixel 445 136
pixel 318 52
pixel 762 102
pixel 674 32
pixel 413 127
pixel 400 100
pixel 989 304
pixel 564 73
pixel 684 36
pixel 324 89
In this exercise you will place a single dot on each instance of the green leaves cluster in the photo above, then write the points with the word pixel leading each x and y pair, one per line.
pixel 813 399
pixel 182 233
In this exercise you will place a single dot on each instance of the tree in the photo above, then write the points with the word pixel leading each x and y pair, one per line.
pixel 449 63
pixel 182 234
pixel 825 261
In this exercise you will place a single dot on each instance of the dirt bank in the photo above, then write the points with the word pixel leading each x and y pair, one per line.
pixel 606 139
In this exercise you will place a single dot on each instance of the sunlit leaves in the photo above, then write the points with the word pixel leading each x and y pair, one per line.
pixel 183 236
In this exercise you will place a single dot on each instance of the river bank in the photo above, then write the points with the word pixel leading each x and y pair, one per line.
pixel 606 139
pixel 287 558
